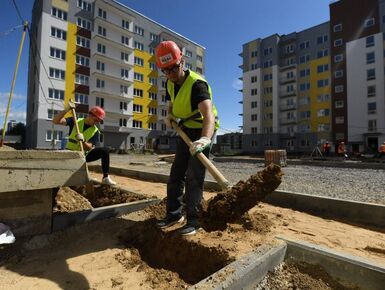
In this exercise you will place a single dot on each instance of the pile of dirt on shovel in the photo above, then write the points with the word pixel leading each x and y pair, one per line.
pixel 232 205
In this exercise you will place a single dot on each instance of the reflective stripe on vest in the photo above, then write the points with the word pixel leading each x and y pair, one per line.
pixel 181 103
pixel 73 144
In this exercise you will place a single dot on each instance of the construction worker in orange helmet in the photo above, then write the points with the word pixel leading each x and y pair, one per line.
pixel 89 136
pixel 190 101
pixel 381 150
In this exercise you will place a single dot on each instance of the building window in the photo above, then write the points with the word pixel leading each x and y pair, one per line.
pixel 138 77
pixel 338 73
pixel 322 98
pixel 125 40
pixel 304 59
pixel 371 91
pixel 138 61
pixel 304 45
pixel 254 92
pixel 123 106
pixel 337 27
pixel 138 45
pixel 154 37
pixel 83 23
pixel 322 39
pixel 100 102
pixel 339 89
pixel 138 93
pixel 55 94
pixel 58 135
pixel 304 73
pixel 84 5
pixel 82 60
pixel 152 81
pixel 83 42
pixel 322 68
pixel 58 13
pixel 338 58
pixel 151 111
pixel 370 58
pixel 339 104
pixel 152 96
pixel 101 48
pixel 323 112
pixel 125 24
pixel 371 74
pixel 188 53
pixel 124 73
pixel 254 117
pixel 254 53
pixel 57 53
pixel 322 53
pixel 81 98
pixel 139 30
pixel 52 113
pixel 137 108
pixel 58 33
pixel 372 125
pixel 102 13
pixel 124 56
pixel 340 120
pixel 267 77
pixel 188 66
pixel 56 73
pixel 322 83
pixel 122 122
pixel 100 66
pixel 372 108
pixel 304 87
pixel 369 22
pixel 370 41
pixel 102 31
pixel 137 124
pixel 123 89
pixel 338 42
pixel 254 104
pixel 100 84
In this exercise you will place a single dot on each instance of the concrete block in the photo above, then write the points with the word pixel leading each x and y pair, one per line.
pixel 27 212
pixel 33 169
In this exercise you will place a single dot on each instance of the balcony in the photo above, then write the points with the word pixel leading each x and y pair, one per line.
pixel 288 94
pixel 286 107
pixel 114 43
pixel 285 80
pixel 116 129
pixel 286 121
pixel 286 67
pixel 115 78
pixel 102 21
pixel 117 61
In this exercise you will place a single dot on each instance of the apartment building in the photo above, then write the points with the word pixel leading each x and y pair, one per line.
pixel 286 91
pixel 99 53
pixel 322 83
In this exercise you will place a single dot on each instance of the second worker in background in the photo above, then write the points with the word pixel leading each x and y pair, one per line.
pixel 190 99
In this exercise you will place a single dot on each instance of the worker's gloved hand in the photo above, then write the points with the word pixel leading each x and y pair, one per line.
pixel 199 145
pixel 80 137
pixel 169 119
pixel 69 106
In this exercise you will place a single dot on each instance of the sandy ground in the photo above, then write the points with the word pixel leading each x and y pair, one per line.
pixel 94 256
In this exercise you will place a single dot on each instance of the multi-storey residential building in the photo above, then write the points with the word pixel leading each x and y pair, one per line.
pixel 357 54
pixel 323 83
pixel 99 53
pixel 286 91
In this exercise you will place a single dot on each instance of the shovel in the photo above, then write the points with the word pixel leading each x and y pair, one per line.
pixel 221 180
pixel 89 186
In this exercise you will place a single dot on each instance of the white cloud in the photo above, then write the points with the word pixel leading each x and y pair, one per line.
pixel 237 84
pixel 18 107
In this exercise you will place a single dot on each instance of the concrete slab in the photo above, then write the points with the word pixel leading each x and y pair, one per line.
pixel 27 212
pixel 248 272
pixel 33 169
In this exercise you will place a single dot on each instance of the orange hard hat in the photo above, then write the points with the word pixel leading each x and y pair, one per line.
pixel 98 112
pixel 167 54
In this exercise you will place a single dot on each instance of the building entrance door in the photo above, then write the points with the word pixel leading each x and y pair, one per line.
pixel 373 144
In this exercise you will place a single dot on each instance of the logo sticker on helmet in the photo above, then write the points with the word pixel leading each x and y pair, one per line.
pixel 166 58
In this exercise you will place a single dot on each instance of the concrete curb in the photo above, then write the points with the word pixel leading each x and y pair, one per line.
pixel 63 221
pixel 352 211
pixel 248 272
pixel 369 214
pixel 322 163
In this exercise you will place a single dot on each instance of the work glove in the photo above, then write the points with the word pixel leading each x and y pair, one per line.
pixel 80 137
pixel 69 106
pixel 169 119
pixel 199 145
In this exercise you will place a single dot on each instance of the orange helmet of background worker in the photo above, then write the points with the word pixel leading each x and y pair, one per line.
pixel 167 54
pixel 98 112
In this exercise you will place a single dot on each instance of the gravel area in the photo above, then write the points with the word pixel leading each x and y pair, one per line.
pixel 364 185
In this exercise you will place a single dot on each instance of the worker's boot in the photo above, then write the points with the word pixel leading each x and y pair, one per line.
pixel 108 181
pixel 168 222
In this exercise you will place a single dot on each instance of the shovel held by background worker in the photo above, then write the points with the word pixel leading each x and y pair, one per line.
pixel 222 181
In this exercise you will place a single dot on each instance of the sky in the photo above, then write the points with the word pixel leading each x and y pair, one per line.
pixel 221 26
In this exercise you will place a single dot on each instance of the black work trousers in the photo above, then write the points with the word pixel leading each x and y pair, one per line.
pixel 188 173
pixel 100 153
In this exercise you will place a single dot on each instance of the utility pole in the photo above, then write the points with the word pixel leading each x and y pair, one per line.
pixel 14 80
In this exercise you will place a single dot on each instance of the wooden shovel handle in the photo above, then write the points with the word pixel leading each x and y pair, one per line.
pixel 77 128
pixel 222 181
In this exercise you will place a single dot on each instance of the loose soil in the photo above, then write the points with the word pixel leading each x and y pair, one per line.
pixel 131 253
pixel 290 275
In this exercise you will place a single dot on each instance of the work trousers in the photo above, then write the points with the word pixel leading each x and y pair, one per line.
pixel 100 153
pixel 187 173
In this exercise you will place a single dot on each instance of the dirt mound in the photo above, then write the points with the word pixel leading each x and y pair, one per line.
pixel 191 260
pixel 232 205
pixel 68 200
pixel 6 148
pixel 299 276
pixel 106 195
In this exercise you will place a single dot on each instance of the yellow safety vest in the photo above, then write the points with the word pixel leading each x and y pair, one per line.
pixel 181 103
pixel 73 144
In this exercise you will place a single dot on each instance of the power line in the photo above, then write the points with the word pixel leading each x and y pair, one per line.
pixel 5 33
